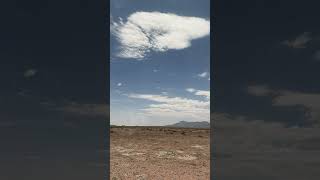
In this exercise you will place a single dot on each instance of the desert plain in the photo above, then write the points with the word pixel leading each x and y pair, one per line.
pixel 159 153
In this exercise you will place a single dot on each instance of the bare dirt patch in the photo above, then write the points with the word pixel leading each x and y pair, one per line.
pixel 159 153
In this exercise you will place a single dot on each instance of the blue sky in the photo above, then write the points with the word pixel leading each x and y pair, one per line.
pixel 160 59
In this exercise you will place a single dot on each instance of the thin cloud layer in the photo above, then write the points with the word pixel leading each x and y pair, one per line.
pixel 247 146
pixel 203 93
pixel 310 101
pixel 154 31
pixel 175 107
pixel 199 92
pixel 92 110
pixel 259 90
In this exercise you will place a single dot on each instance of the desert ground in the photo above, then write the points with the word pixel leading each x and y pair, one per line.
pixel 159 153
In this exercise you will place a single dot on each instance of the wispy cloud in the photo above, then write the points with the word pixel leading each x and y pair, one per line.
pixel 203 75
pixel 203 93
pixel 261 144
pixel 259 90
pixel 154 31
pixel 199 92
pixel 119 84
pixel 299 42
pixel 30 73
pixel 82 109
pixel 175 107
pixel 310 101
pixel 164 93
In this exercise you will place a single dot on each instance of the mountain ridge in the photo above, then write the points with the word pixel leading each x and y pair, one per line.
pixel 186 124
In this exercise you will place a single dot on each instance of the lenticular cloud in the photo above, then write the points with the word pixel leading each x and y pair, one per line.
pixel 154 31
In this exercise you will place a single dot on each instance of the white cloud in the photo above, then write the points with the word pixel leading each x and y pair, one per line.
pixel 154 31
pixel 191 90
pixel 203 93
pixel 175 107
pixel 203 75
pixel 299 42
pixel 164 93
pixel 199 92
pixel 119 84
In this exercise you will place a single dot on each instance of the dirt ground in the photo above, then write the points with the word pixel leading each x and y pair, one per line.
pixel 158 153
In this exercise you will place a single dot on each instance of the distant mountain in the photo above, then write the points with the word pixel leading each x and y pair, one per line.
pixel 185 124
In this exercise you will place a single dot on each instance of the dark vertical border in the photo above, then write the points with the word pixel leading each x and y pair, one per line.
pixel 106 63
pixel 213 55
pixel 65 42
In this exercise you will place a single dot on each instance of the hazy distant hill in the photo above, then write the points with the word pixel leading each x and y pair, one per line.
pixel 185 124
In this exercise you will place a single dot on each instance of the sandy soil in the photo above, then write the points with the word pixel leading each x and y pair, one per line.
pixel 157 153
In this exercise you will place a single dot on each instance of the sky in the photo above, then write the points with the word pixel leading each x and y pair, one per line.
pixel 53 93
pixel 267 68
pixel 159 62
pixel 265 103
